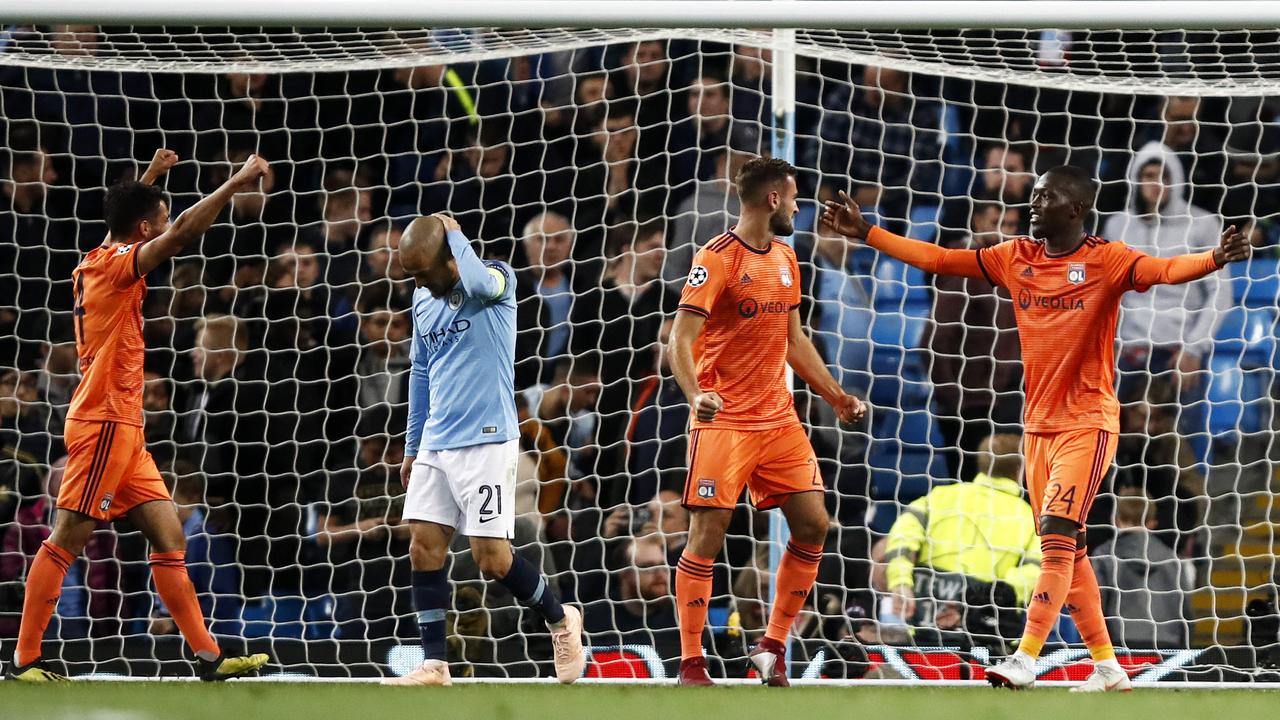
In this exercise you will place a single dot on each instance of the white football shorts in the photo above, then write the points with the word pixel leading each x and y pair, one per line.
pixel 471 489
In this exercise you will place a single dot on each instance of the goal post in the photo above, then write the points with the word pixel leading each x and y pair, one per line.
pixel 934 115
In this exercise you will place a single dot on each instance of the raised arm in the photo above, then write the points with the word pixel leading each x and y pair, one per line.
pixel 1148 270
pixel 160 164
pixel 804 358
pixel 478 280
pixel 845 218
pixel 196 220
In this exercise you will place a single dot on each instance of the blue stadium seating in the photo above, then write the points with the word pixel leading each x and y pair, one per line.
pixel 1256 284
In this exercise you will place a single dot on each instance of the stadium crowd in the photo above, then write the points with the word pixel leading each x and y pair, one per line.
pixel 278 348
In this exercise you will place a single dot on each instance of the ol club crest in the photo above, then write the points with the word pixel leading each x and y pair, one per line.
pixel 1075 273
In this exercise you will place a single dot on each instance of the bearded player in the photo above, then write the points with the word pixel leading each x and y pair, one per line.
pixel 1067 287
pixel 109 473
pixel 736 330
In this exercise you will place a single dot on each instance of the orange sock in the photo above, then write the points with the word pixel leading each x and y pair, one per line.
pixel 796 573
pixel 179 595
pixel 1058 556
pixel 1084 602
pixel 693 595
pixel 44 587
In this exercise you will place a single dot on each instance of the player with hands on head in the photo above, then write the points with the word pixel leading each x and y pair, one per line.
pixel 109 473
pixel 462 441
pixel 1066 287
pixel 736 330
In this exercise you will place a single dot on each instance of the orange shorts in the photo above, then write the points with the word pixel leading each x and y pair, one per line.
pixel 1064 470
pixel 770 464
pixel 109 471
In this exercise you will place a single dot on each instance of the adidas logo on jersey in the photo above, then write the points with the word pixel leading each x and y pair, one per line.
pixel 746 279
pixel 1027 272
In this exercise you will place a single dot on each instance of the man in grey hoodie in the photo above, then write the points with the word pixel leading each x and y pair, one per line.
pixel 1169 328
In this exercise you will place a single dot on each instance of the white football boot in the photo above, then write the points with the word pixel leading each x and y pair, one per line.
pixel 430 672
pixel 566 643
pixel 1017 672
pixel 1105 678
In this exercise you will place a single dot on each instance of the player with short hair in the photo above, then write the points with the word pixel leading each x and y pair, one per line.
pixel 109 472
pixel 1066 287
pixel 463 441
pixel 736 329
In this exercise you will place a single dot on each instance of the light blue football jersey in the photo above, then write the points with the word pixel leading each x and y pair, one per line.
pixel 462 376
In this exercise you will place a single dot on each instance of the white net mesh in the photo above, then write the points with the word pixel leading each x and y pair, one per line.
pixel 286 463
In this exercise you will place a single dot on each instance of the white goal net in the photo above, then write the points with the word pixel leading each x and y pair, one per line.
pixel 595 161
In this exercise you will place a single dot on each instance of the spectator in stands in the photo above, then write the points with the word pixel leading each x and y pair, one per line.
pixel 359 535
pixel 221 416
pixel 1166 331
pixel 841 310
pixel 612 184
pixel 976 357
pixel 1144 585
pixel 883 131
pixel 59 376
pixel 646 79
pixel 384 357
pixel 1152 455
pixel 1197 146
pixel 251 113
pixel 211 558
pixel 477 186
pixel 382 280
pixel 621 315
pixel 159 419
pixel 425 114
pixel 37 249
pixel 656 439
pixel 346 207
pixel 1253 173
pixel 752 86
pixel 710 129
pixel 544 296
pixel 964 541
pixel 704 214
pixel 639 608
pixel 1006 176
pixel 255 221
pixel 25 422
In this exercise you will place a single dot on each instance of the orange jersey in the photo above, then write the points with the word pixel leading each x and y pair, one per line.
pixel 747 296
pixel 108 325
pixel 1066 307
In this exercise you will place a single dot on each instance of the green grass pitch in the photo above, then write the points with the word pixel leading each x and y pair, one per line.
pixel 314 701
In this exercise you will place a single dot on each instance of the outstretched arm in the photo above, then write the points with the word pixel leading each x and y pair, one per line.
pixel 196 220
pixel 1148 270
pixel 803 357
pixel 845 218
pixel 478 280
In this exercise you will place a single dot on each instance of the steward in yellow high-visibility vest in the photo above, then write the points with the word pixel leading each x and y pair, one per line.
pixel 982 530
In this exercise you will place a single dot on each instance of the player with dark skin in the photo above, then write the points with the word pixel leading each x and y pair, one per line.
pixel 1060 204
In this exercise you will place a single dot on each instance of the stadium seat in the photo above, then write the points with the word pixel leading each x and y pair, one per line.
pixel 1256 283
pixel 1247 336
pixel 923 223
